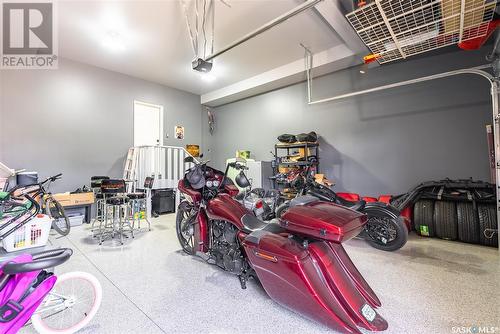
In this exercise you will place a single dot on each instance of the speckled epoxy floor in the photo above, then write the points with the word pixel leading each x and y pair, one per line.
pixel 429 286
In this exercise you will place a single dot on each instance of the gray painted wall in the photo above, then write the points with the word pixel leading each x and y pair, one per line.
pixel 78 120
pixel 379 143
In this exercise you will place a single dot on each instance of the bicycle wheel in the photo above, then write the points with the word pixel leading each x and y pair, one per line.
pixel 60 222
pixel 70 305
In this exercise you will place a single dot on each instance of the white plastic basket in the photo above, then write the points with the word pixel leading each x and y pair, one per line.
pixel 34 233
pixel 76 220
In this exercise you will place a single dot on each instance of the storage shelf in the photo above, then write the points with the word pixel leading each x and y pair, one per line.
pixel 397 29
pixel 305 154
pixel 298 163
pixel 296 145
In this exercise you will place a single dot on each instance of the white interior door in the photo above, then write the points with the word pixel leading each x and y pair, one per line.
pixel 148 124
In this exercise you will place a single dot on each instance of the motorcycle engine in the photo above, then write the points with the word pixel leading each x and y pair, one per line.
pixel 225 247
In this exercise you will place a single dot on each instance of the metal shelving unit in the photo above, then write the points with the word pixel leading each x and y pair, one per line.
pixel 312 148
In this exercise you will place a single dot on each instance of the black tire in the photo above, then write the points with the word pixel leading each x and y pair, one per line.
pixel 423 218
pixel 280 210
pixel 468 223
pixel 184 227
pixel 487 221
pixel 445 220
pixel 60 221
pixel 387 223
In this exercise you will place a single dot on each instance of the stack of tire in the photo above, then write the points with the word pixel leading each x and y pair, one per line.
pixel 464 221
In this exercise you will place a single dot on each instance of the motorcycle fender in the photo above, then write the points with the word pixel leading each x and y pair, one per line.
pixel 387 209
pixel 201 232
pixel 314 282
pixel 382 207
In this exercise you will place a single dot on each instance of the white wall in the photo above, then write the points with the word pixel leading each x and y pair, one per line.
pixel 78 120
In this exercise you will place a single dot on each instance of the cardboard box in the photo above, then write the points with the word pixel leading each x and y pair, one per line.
pixel 82 198
pixel 67 199
pixel 63 198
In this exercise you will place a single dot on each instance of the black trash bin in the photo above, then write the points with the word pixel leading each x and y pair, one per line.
pixel 163 201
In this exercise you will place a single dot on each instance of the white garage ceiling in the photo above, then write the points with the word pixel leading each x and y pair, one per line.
pixel 150 40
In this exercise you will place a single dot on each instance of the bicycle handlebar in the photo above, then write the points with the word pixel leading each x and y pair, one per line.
pixel 52 178
pixel 42 260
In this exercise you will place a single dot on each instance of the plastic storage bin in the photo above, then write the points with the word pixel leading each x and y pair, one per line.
pixel 76 220
pixel 27 178
pixel 34 233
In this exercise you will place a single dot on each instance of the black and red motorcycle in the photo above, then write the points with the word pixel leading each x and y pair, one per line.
pixel 298 259
pixel 385 229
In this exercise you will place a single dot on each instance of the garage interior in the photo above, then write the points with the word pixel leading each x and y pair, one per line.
pixel 201 165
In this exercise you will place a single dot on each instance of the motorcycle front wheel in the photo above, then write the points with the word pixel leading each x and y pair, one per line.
pixel 384 230
pixel 184 226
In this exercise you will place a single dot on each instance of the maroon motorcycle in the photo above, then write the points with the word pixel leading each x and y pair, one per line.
pixel 298 259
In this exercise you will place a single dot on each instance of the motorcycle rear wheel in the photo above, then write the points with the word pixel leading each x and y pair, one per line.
pixel 185 228
pixel 394 230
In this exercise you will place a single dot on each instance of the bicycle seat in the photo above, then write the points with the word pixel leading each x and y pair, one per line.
pixel 303 200
pixel 353 205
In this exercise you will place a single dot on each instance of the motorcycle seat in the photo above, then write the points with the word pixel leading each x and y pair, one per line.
pixel 353 205
pixel 252 223
pixel 271 227
pixel 303 200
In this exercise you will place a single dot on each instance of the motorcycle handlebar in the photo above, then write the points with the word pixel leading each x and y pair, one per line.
pixel 237 165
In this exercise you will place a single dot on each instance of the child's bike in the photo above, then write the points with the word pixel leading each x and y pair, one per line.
pixel 30 290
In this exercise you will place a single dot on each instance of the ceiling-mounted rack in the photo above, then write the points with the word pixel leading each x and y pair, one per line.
pixel 397 29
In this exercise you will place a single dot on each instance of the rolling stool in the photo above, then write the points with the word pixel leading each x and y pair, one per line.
pixel 116 210
pixel 138 202
pixel 95 185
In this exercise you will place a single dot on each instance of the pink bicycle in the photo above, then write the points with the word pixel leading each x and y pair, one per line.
pixel 30 291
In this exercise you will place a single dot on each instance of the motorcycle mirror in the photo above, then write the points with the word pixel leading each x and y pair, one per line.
pixel 188 159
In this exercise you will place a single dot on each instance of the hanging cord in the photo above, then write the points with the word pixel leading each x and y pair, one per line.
pixel 308 58
pixel 197 30
pixel 203 28
pixel 194 43
pixel 213 26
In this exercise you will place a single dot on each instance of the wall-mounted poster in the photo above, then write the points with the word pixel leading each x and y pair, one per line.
pixel 179 132
pixel 194 150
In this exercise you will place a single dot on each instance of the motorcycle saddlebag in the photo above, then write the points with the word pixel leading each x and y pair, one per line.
pixel 323 220
pixel 319 282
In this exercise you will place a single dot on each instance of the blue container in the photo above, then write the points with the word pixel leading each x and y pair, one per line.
pixel 27 178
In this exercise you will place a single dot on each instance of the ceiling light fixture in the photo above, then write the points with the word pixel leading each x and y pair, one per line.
pixel 113 41
pixel 362 72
